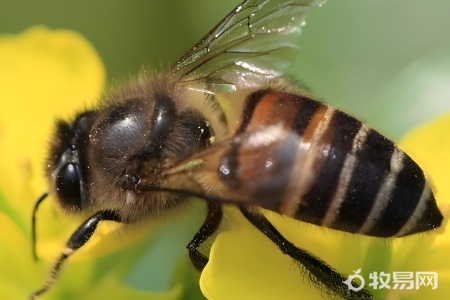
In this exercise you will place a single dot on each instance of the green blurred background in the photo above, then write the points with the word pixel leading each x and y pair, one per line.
pixel 387 61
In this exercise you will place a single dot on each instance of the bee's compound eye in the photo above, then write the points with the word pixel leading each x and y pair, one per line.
pixel 68 186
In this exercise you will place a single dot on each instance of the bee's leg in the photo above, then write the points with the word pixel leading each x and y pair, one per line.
pixel 81 235
pixel 209 226
pixel 320 273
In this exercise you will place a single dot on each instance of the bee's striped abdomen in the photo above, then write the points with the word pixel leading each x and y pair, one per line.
pixel 342 174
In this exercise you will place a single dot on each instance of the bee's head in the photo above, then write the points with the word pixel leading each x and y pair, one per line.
pixel 66 164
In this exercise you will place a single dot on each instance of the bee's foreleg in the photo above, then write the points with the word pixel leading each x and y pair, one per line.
pixel 209 226
pixel 81 235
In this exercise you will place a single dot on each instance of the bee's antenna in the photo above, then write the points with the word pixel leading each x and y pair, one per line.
pixel 33 224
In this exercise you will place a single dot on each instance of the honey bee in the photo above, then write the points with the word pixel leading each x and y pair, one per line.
pixel 224 125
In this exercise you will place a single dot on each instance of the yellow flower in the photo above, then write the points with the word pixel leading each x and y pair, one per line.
pixel 244 264
pixel 46 74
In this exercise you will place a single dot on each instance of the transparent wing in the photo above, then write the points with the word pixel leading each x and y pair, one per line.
pixel 255 42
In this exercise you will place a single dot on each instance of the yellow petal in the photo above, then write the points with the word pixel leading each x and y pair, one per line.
pixel 429 146
pixel 16 277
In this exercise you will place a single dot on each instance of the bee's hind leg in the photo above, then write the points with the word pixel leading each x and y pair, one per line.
pixel 324 277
